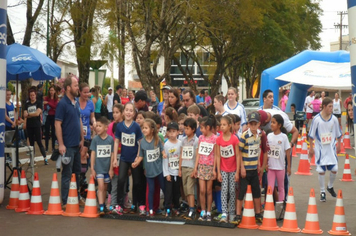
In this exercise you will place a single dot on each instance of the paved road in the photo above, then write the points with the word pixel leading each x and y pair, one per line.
pixel 12 223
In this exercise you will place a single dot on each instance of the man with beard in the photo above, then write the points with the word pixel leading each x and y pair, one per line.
pixel 70 135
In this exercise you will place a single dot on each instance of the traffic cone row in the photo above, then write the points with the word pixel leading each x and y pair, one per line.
pixel 299 145
pixel 304 134
pixel 24 195
pixel 290 223
pixel 269 215
pixel 14 194
pixel 339 224
pixel 304 166
pixel 347 143
pixel 312 220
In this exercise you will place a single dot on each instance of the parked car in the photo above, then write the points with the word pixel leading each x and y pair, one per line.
pixel 251 104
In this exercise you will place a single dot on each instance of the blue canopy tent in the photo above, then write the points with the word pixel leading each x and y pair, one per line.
pixel 298 91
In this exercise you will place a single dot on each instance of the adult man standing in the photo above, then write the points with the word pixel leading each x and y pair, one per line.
pixel 347 100
pixel 188 100
pixel 268 101
pixel 199 99
pixel 70 135
pixel 117 95
pixel 308 109
pixel 109 98
pixel 141 101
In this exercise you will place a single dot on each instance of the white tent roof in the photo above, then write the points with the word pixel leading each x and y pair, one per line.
pixel 321 74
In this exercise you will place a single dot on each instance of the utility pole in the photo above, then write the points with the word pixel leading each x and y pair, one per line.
pixel 341 26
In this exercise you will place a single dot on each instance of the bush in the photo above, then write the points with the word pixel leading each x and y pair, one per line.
pixel 106 85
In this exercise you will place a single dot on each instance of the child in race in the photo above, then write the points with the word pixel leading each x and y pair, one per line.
pixel 151 152
pixel 128 133
pixel 170 115
pixel 140 118
pixel 219 101
pixel 187 163
pixel 228 167
pixel 205 165
pixel 181 119
pixel 325 130
pixel 172 148
pixel 193 111
pixel 278 148
pixel 249 145
pixel 102 156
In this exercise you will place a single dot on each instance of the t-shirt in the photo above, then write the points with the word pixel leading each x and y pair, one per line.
pixel 207 100
pixel 308 100
pixel 152 157
pixel 283 102
pixel 278 145
pixel 103 149
pixel 316 105
pixel 128 136
pixel 171 163
pixel 227 153
pixel 117 98
pixel 206 149
pixel 223 114
pixel 273 107
pixel 325 133
pixel 98 105
pixel 160 107
pixel 189 148
pixel 124 100
pixel 199 99
pixel 336 107
pixel 10 112
pixel 239 110
pixel 110 102
pixel 250 147
pixel 198 132
pixel 85 116
pixel 32 108
pixel 286 124
pixel 52 104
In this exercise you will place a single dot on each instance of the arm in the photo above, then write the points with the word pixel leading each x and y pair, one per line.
pixel 8 119
pixel 243 170
pixel 111 171
pixel 180 163
pixel 338 149
pixel 58 127
pixel 92 119
pixel 237 174
pixel 311 149
pixel 116 148
pixel 81 144
pixel 94 100
pixel 36 113
pixel 196 163
pixel 137 161
pixel 294 133
pixel 288 162
pixel 218 162
pixel 92 163
pixel 214 165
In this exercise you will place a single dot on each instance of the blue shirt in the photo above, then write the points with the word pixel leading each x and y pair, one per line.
pixel 198 132
pixel 199 99
pixel 160 107
pixel 128 136
pixel 69 114
pixel 10 112
pixel 98 105
pixel 85 116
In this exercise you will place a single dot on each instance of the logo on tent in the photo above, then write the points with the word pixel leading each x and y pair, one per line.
pixel 22 57
pixel 3 34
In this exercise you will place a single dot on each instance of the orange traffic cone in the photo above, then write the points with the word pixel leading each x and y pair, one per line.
pixel 346 176
pixel 339 224
pixel 90 209
pixel 14 194
pixel 54 204
pixel 24 196
pixel 290 223
pixel 312 161
pixel 36 206
pixel 312 220
pixel 248 216
pixel 72 208
pixel 304 166
pixel 299 145
pixel 269 215
pixel 347 144
pixel 294 153
pixel 304 133
pixel 342 147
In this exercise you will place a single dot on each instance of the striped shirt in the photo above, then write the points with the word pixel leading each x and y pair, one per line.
pixel 249 145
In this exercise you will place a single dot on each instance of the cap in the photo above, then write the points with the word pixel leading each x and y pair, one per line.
pixel 172 125
pixel 263 116
pixel 166 87
pixel 254 116
pixel 141 95
pixel 109 88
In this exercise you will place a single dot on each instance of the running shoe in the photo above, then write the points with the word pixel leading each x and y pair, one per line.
pixel 176 212
pixel 236 220
pixel 46 162
pixel 218 217
pixel 151 214
pixel 142 209
pixel 223 218
pixel 202 217
pixel 133 209
pixel 127 203
pixel 322 197
pixel 331 191
pixel 191 215
pixel 168 214
pixel 118 210
pixel 107 211
pixel 101 211
pixel 208 218
pixel 258 218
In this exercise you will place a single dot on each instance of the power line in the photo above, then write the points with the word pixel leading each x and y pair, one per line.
pixel 341 26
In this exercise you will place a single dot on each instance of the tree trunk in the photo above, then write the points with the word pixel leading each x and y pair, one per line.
pixel 121 9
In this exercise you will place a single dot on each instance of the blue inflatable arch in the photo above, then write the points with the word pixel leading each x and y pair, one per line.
pixel 298 92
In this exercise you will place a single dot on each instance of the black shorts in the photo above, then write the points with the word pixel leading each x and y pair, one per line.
pixel 250 179
pixel 315 113
pixel 337 115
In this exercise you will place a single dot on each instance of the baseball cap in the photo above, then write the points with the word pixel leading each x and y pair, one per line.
pixel 254 116
pixel 141 95
pixel 167 87
pixel 109 88
pixel 172 125
pixel 263 116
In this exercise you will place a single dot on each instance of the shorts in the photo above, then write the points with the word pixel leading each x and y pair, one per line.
pixel 106 177
pixel 337 115
pixel 188 182
pixel 250 179
pixel 322 169
pixel 309 116
pixel 205 172
pixel 315 113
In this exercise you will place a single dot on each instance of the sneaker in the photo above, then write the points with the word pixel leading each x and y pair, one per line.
pixel 151 214
pixel 133 209
pixel 142 209
pixel 176 212
pixel 331 191
pixel 158 212
pixel 322 197
pixel 168 214
pixel 236 220
pixel 101 211
pixel 208 218
pixel 223 218
pixel 107 211
pixel 184 207
pixel 127 203
pixel 81 202
pixel 202 217
pixel 258 218
pixel 191 215
pixel 218 217
pixel 64 207
pixel 118 210
pixel 46 162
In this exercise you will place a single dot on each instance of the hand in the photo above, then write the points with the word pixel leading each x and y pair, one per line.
pixel 93 173
pixel 164 155
pixel 180 173
pixel 243 172
pixel 311 152
pixel 219 177
pixel 195 173
pixel 24 126
pixel 289 171
pixel 338 148
pixel 168 177
pixel 258 168
pixel 129 172
pixel 111 173
pixel 62 149
pixel 192 174
pixel 114 163
pixel 214 175
pixel 237 177
pixel 134 164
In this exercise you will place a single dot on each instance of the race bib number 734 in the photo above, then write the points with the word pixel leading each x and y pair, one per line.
pixel 103 151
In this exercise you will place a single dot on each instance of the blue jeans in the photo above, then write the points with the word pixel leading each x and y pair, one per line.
pixel 110 115
pixel 151 188
pixel 73 167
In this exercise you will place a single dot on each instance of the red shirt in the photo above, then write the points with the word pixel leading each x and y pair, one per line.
pixel 124 100
pixel 228 160
pixel 52 106
pixel 264 147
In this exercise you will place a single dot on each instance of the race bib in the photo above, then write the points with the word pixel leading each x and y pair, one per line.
pixel 31 109
pixel 227 152
pixel 205 148
pixel 325 138
pixel 336 110
pixel 274 152
pixel 152 155
pixel 85 129
pixel 164 131
pixel 187 152
pixel 254 150
pixel 103 151
pixel 128 139
pixel 174 163
pixel 11 115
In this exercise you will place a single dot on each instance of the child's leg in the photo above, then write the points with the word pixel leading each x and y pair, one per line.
pixel 161 182
pixel 114 190
pixel 168 194
pixel 271 179
pixel 209 193
pixel 202 194
pixel 151 188
pixel 224 191
pixel 242 192
pixel 280 181
pixel 232 193
pixel 156 196
pixel 322 181
pixel 176 191
pixel 256 191
pixel 101 190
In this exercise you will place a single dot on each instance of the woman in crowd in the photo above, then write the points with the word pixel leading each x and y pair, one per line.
pixel 350 117
pixel 124 98
pixel 131 96
pixel 97 101
pixel 173 99
pixel 284 100
pixel 337 104
pixel 50 104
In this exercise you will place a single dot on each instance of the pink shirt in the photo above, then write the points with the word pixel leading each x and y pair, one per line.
pixel 228 164
pixel 207 160
pixel 283 102
pixel 316 105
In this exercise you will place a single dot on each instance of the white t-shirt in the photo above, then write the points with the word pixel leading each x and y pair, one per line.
pixel 238 110
pixel 110 102
pixel 223 114
pixel 325 134
pixel 308 100
pixel 286 124
pixel 278 144
pixel 273 107
pixel 336 107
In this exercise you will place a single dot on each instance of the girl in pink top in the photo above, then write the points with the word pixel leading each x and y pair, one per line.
pixel 284 100
pixel 205 165
pixel 228 166
pixel 315 104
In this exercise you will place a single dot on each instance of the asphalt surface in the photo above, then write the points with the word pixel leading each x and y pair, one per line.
pixel 12 223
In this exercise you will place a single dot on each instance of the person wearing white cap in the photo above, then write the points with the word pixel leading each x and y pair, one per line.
pixel 109 100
